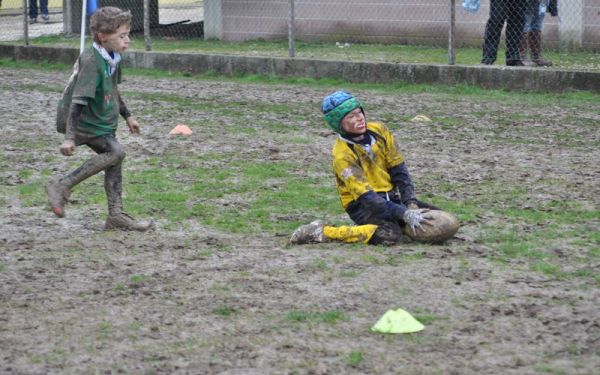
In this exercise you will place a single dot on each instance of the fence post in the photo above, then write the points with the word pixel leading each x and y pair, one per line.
pixel 291 32
pixel 25 24
pixel 147 39
pixel 451 34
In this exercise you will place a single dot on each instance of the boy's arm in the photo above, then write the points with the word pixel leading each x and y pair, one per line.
pixel 68 146
pixel 401 179
pixel 134 126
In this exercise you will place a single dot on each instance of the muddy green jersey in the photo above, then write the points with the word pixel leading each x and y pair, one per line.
pixel 96 88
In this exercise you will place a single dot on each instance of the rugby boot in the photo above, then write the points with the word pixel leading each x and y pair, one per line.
pixel 309 233
pixel 124 221
pixel 58 196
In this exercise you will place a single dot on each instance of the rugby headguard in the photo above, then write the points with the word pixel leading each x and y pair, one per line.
pixel 336 106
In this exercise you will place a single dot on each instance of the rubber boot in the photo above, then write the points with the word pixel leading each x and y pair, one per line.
pixel 523 47
pixel 117 219
pixel 535 43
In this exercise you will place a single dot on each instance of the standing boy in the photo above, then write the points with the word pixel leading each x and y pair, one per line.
pixel 373 182
pixel 93 117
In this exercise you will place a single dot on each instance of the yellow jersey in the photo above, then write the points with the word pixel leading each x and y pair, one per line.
pixel 360 168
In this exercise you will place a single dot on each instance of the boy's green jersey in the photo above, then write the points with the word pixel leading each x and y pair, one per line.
pixel 96 88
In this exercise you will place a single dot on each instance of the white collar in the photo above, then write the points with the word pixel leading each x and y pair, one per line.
pixel 112 61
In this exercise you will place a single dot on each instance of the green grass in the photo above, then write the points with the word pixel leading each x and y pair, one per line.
pixel 355 358
pixel 329 51
pixel 224 310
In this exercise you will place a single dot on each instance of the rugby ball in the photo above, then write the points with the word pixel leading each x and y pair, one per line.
pixel 443 226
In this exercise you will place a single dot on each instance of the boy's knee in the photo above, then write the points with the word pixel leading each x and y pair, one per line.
pixel 386 234
pixel 116 156
pixel 120 154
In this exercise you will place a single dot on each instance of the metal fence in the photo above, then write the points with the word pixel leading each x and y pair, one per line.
pixel 519 26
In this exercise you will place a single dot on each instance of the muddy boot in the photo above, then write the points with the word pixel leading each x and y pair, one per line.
pixel 309 233
pixel 117 219
pixel 523 47
pixel 535 43
pixel 58 196
pixel 123 221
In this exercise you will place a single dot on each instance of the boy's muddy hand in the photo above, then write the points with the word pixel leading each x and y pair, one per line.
pixel 67 148
pixel 134 126
pixel 415 219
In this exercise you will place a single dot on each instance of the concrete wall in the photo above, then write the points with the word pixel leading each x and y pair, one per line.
pixel 387 21
pixel 498 77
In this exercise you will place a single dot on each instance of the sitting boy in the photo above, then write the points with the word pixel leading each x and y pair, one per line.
pixel 373 182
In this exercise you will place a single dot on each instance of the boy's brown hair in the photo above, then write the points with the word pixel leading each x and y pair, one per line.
pixel 107 20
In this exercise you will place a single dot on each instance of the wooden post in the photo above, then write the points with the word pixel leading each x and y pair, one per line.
pixel 147 38
pixel 291 32
pixel 25 24
pixel 451 34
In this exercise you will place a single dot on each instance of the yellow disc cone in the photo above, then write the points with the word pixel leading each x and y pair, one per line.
pixel 397 321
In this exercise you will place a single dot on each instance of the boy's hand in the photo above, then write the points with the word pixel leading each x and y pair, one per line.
pixel 134 126
pixel 67 148
pixel 416 218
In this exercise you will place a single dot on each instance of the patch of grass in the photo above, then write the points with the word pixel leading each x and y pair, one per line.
pixel 135 281
pixel 547 269
pixel 119 288
pixel 355 358
pixel 329 50
pixel 327 317
pixel 350 273
pixel 224 310
pixel 547 369
pixel 32 194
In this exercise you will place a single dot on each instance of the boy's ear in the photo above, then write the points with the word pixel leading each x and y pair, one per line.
pixel 102 37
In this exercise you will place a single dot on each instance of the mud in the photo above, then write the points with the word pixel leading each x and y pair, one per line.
pixel 76 299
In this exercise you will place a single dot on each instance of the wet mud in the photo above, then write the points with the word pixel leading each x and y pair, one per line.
pixel 77 299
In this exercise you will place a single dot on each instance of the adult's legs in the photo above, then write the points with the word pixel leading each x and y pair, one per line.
pixel 493 31
pixel 515 20
pixel 33 10
pixel 536 41
pixel 44 7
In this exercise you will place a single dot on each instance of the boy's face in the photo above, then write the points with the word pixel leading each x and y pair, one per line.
pixel 117 41
pixel 354 122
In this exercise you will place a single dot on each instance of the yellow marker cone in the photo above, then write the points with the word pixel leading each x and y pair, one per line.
pixel 420 118
pixel 397 321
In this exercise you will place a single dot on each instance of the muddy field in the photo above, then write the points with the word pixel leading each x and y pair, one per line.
pixel 194 297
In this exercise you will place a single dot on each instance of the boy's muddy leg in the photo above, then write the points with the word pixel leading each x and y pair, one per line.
pixel 108 155
pixel 113 186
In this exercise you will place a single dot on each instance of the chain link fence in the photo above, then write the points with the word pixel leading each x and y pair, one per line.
pixel 519 27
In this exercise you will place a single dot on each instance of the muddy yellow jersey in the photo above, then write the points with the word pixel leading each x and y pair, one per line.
pixel 360 168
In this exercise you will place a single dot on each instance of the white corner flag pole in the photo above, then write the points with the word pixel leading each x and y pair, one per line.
pixel 83 14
